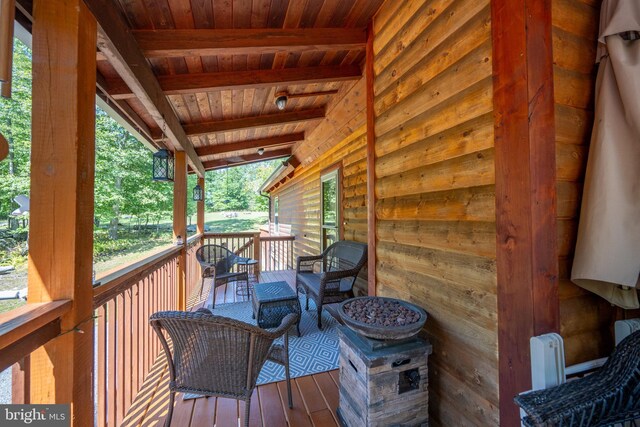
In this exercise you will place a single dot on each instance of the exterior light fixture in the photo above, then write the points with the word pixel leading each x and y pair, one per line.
pixel 163 161
pixel 163 165
pixel 197 193
pixel 260 151
pixel 281 100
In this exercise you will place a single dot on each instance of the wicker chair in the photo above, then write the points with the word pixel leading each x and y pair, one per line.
pixel 217 262
pixel 218 356
pixel 341 263
pixel 609 396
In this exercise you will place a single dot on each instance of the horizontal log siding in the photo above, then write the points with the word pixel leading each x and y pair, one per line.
pixel 299 198
pixel 584 317
pixel 435 185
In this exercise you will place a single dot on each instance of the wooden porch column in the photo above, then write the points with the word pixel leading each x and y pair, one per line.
pixel 200 207
pixel 527 256
pixel 62 175
pixel 180 223
pixel 371 166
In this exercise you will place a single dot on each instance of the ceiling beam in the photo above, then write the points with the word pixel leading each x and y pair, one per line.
pixel 207 42
pixel 204 128
pixel 251 144
pixel 245 160
pixel 116 42
pixel 176 84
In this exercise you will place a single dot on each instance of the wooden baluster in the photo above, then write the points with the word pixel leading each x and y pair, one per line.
pixel 128 345
pixel 120 358
pixel 256 254
pixel 146 331
pixel 101 375
pixel 135 331
pixel 111 362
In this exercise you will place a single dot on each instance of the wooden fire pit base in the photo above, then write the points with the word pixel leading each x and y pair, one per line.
pixel 383 385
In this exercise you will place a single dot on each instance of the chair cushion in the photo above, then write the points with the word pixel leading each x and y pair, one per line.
pixel 311 281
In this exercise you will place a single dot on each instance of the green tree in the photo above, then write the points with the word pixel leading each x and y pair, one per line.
pixel 15 125
pixel 123 184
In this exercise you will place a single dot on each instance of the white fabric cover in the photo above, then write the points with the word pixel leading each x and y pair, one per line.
pixel 607 257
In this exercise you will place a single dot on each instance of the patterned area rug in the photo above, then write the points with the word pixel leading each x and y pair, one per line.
pixel 315 351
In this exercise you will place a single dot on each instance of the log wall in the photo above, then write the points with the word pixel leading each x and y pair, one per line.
pixel 435 209
pixel 584 317
pixel 299 198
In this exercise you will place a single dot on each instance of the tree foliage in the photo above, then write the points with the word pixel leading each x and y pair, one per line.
pixel 15 125
pixel 123 184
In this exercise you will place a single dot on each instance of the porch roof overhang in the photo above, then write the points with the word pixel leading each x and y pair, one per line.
pixel 203 79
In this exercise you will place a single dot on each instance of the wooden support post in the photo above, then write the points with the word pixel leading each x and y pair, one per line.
pixel 371 167
pixel 200 207
pixel 7 17
pixel 180 223
pixel 62 176
pixel 527 255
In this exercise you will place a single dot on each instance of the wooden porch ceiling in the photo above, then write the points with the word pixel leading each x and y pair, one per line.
pixel 208 71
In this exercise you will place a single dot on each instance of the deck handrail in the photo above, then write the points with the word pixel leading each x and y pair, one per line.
pixel 195 239
pixel 209 234
pixel 277 238
pixel 114 283
pixel 26 328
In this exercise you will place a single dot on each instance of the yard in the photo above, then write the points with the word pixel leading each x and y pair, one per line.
pixel 132 244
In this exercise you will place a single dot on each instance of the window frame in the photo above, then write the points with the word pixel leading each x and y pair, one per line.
pixel 333 171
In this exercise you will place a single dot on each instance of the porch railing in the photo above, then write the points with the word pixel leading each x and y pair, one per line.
pixel 273 252
pixel 126 348
pixel 276 253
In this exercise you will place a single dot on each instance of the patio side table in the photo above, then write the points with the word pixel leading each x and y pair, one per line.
pixel 272 302
pixel 248 265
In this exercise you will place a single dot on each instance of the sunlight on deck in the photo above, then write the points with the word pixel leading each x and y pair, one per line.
pixel 315 397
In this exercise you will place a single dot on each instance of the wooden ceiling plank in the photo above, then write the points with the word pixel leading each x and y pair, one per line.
pixel 118 45
pixel 251 144
pixel 206 82
pixel 201 42
pixel 252 158
pixel 195 129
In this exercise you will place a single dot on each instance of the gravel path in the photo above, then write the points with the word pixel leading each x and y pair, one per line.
pixel 5 386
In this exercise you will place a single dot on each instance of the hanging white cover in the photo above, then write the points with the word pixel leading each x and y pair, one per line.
pixel 607 257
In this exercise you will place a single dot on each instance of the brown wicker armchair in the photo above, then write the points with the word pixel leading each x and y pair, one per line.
pixel 217 262
pixel 341 263
pixel 218 356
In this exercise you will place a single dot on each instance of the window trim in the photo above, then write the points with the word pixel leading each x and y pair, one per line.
pixel 327 174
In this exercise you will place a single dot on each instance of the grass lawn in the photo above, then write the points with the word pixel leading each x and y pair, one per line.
pixel 218 222
pixel 133 247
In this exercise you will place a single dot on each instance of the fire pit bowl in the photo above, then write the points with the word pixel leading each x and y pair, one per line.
pixel 382 318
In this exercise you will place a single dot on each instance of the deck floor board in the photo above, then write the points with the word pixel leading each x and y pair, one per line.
pixel 315 397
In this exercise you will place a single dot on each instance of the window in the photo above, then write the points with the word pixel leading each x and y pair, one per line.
pixel 330 217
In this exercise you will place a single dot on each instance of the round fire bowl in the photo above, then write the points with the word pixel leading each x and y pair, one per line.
pixel 380 331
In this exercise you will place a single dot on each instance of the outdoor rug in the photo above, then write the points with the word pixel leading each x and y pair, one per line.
pixel 315 351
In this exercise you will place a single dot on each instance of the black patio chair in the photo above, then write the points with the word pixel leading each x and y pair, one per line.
pixel 341 263
pixel 217 263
